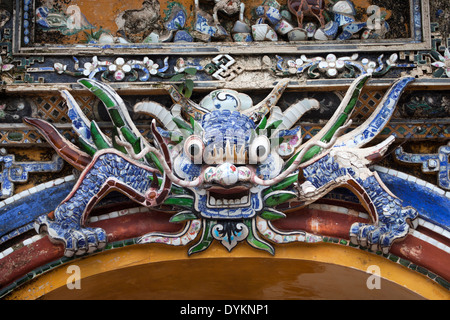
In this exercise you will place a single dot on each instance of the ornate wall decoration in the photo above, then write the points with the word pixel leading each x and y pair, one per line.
pixel 331 66
pixel 223 125
pixel 235 177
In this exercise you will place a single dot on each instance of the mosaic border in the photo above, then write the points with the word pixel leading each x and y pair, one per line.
pixel 419 40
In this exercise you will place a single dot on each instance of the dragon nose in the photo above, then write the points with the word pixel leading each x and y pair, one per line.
pixel 227 174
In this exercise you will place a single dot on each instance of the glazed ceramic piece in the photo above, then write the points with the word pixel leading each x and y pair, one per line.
pixel 151 38
pixel 320 35
pixel 236 100
pixel 355 27
pixel 331 29
pixel 177 19
pixel 343 19
pixel 182 36
pixel 310 29
pixel 297 34
pixel 351 30
pixel 270 14
pixel 263 32
pixel 283 27
pixel 204 23
pixel 106 38
pixel 240 26
pixel 344 7
pixel 242 37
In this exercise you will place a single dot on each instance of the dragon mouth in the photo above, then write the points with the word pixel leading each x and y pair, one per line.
pixel 235 197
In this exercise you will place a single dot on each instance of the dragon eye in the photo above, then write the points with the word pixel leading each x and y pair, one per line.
pixel 259 149
pixel 194 147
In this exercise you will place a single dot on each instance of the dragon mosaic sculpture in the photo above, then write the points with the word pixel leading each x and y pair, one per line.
pixel 226 163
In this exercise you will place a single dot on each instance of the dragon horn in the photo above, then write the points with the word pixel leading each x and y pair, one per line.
pixel 339 119
pixel 66 149
pixel 379 118
pixel 119 116
pixel 189 107
pixel 113 102
pixel 77 116
pixel 257 112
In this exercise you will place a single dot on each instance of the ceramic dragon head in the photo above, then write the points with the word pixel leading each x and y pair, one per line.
pixel 225 163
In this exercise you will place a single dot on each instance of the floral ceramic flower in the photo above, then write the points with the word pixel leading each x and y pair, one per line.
pixel 369 65
pixel 88 67
pixel 180 65
pixel 443 64
pixel 331 65
pixel 151 66
pixel 294 65
pixel 119 68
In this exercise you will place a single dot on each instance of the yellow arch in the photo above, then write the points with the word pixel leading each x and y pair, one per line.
pixel 297 271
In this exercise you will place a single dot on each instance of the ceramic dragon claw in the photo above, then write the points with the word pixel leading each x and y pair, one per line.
pixel 225 164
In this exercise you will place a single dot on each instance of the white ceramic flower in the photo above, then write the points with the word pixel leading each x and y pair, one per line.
pixel 120 69
pixel 444 62
pixel 369 65
pixel 331 65
pixel 151 66
pixel 88 67
pixel 294 65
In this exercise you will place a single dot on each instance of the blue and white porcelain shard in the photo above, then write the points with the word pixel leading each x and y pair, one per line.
pixel 331 29
pixel 201 25
pixel 177 20
pixel 79 121
pixel 343 19
pixel 241 27
pixel 183 36
pixel 355 27
pixel 344 7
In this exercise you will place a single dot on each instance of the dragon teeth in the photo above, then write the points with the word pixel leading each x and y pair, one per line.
pixel 214 202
